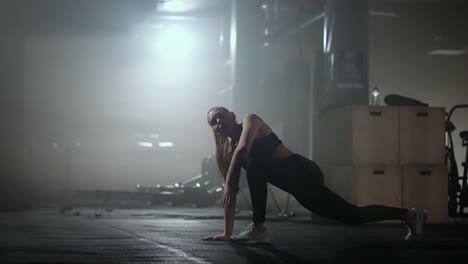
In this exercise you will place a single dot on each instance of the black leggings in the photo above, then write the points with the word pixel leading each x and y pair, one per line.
pixel 303 179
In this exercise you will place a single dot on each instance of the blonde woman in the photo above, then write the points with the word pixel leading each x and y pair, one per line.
pixel 252 145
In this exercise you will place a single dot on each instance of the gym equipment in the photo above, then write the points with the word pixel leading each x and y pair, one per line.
pixel 458 192
pixel 283 213
pixel 199 191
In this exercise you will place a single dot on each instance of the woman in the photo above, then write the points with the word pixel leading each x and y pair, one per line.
pixel 253 146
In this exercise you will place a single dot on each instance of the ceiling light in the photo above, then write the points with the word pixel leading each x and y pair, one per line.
pixel 383 13
pixel 145 144
pixel 165 144
pixel 447 52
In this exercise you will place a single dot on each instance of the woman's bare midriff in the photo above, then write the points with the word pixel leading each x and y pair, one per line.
pixel 281 153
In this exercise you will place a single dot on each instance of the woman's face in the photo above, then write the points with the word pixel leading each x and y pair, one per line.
pixel 220 120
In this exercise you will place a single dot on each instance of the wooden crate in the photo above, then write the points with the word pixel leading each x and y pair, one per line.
pixel 367 184
pixel 358 134
pixel 427 187
pixel 422 135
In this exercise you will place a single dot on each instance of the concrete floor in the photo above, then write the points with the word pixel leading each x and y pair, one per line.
pixel 172 235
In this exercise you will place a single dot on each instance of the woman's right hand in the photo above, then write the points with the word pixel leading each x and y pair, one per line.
pixel 227 196
pixel 218 237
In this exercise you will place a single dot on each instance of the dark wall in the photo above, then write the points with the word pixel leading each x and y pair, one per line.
pixel 13 183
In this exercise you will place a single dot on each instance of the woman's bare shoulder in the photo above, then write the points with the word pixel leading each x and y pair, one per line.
pixel 252 117
pixel 255 120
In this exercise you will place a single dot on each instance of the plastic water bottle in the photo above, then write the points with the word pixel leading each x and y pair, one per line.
pixel 375 96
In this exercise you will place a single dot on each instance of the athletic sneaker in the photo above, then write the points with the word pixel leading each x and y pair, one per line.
pixel 252 236
pixel 415 225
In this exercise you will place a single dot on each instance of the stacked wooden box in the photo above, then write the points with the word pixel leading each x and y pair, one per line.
pixel 387 155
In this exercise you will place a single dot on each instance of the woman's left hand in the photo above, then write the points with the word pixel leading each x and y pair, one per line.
pixel 228 195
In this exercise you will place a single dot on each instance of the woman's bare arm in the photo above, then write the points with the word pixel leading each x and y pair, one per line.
pixel 229 217
pixel 251 126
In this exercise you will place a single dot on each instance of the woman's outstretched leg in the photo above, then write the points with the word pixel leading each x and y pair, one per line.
pixel 328 204
pixel 304 180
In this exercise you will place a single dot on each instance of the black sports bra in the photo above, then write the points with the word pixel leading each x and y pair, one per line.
pixel 262 148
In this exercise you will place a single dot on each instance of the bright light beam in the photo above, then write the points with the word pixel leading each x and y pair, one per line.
pixel 175 6
pixel 175 44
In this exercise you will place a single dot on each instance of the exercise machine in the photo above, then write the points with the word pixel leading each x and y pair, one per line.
pixel 458 185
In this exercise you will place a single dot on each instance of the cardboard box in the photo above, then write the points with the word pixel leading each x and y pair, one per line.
pixel 422 135
pixel 426 187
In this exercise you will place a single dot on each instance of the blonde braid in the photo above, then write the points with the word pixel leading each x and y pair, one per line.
pixel 223 154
